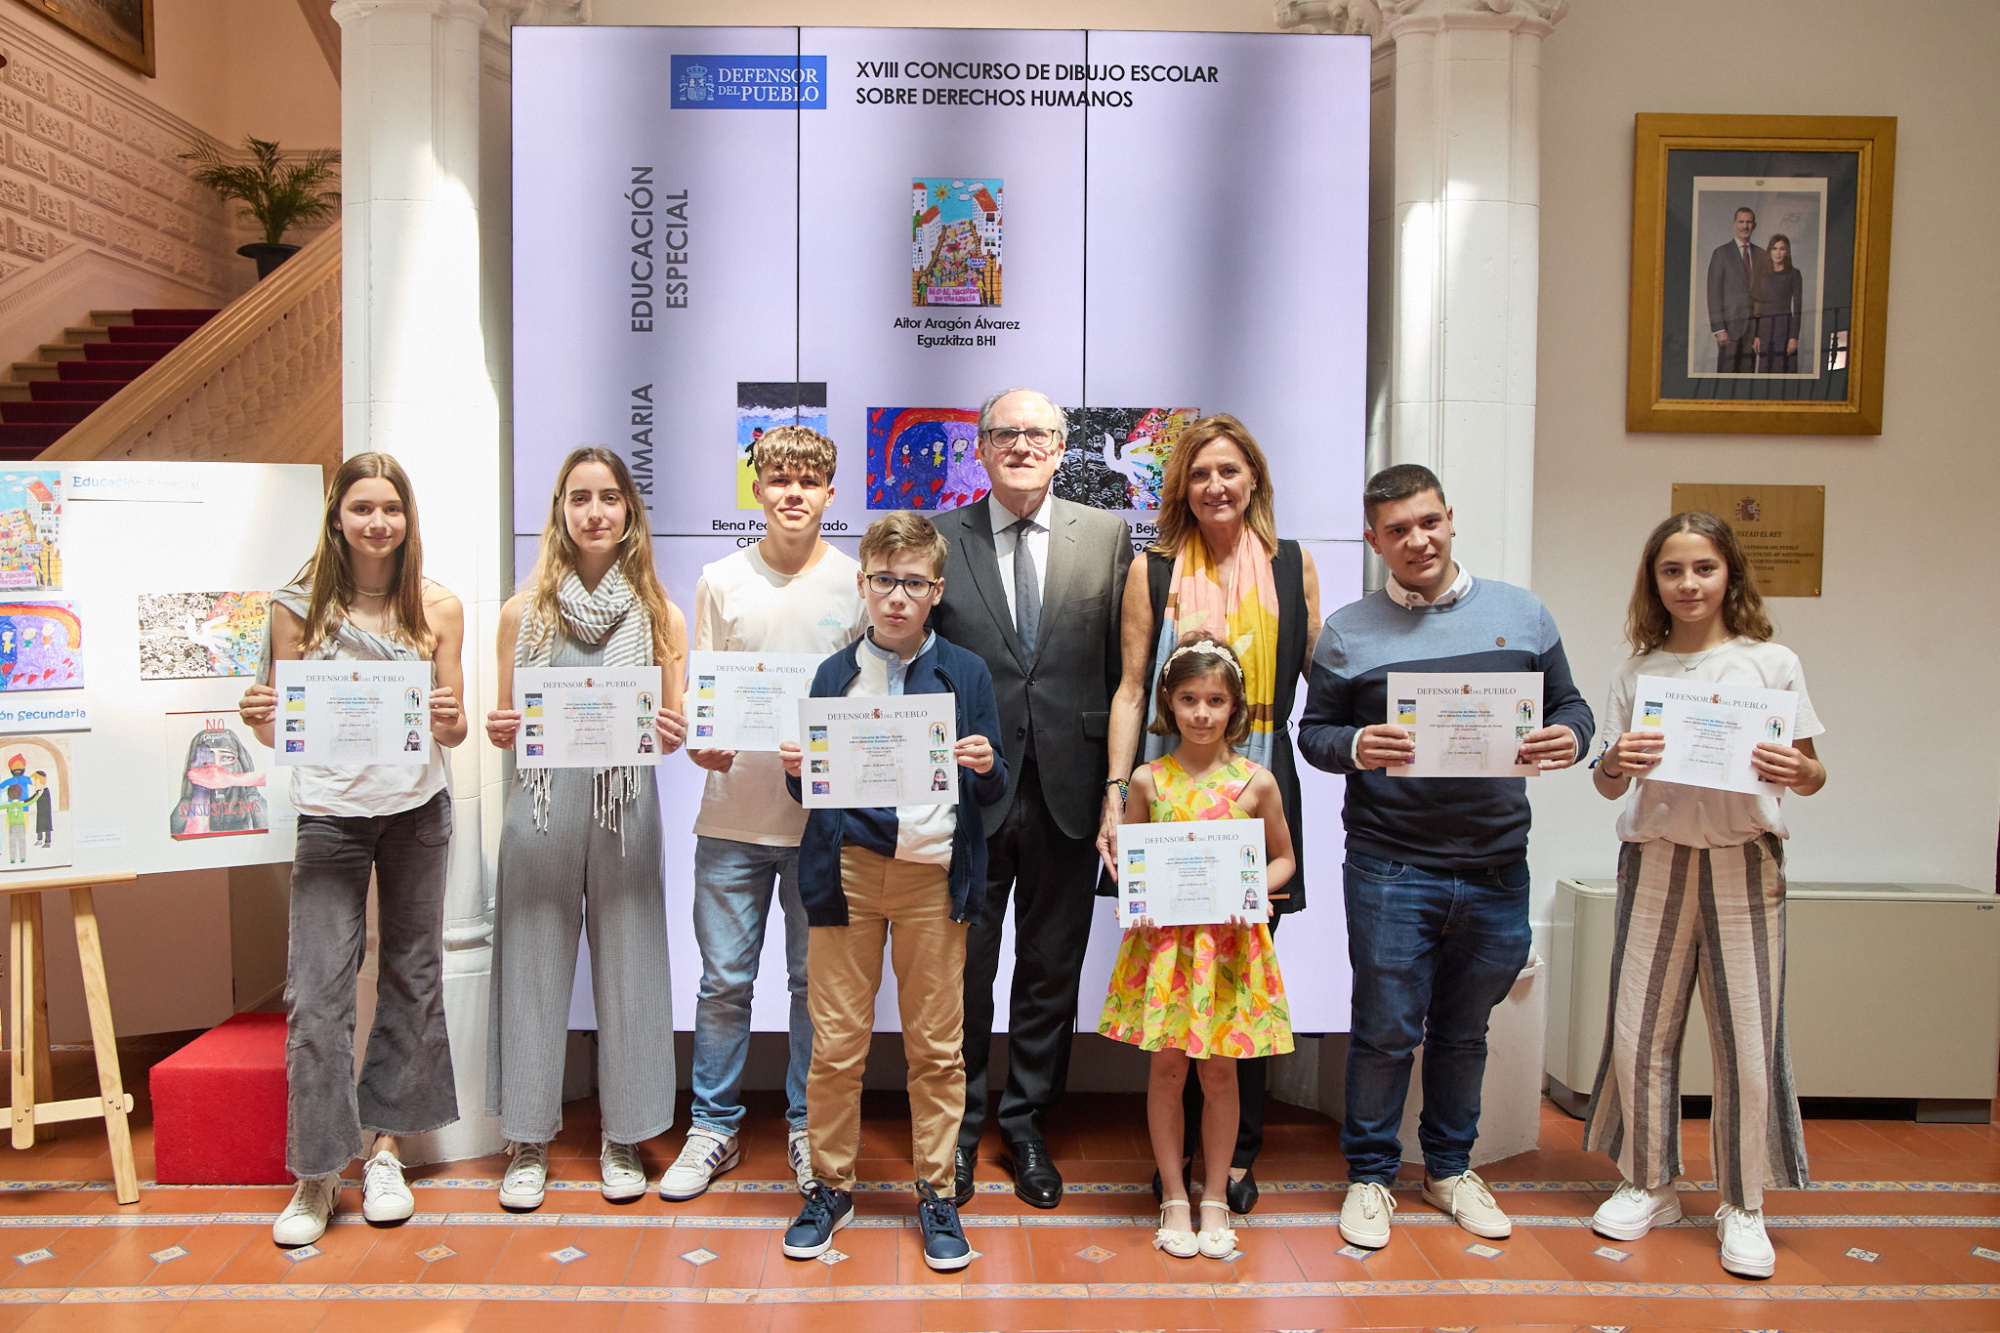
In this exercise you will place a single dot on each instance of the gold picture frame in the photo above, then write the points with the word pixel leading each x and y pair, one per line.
pixel 1729 333
pixel 123 31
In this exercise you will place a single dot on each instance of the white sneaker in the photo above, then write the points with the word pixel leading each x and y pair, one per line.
pixel 1364 1214
pixel 798 1151
pixel 619 1167
pixel 384 1196
pixel 1634 1210
pixel 527 1177
pixel 304 1219
pixel 1746 1250
pixel 705 1156
pixel 1470 1204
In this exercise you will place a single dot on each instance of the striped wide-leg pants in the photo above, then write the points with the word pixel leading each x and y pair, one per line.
pixel 1717 916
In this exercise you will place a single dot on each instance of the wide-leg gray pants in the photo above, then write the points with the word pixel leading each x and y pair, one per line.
pixel 406 1083
pixel 552 886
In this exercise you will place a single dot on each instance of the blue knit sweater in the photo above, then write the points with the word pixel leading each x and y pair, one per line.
pixel 1439 823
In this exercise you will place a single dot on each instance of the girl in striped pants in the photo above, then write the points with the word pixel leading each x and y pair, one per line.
pixel 1701 899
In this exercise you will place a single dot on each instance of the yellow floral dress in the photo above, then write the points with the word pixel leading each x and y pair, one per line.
pixel 1208 990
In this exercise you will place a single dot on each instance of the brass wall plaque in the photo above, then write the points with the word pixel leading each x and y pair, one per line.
pixel 1782 528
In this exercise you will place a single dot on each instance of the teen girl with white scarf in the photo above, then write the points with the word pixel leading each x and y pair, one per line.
pixel 576 835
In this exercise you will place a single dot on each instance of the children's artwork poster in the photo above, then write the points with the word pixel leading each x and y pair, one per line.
pixel 196 635
pixel 218 786
pixel 35 800
pixel 1116 457
pixel 924 458
pixel 764 406
pixel 41 646
pixel 955 241
pixel 31 530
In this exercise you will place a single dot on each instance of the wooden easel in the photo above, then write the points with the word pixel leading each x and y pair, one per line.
pixel 28 1023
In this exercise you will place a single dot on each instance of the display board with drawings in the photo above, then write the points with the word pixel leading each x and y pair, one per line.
pixel 166 776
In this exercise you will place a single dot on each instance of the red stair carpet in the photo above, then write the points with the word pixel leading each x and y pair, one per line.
pixel 80 387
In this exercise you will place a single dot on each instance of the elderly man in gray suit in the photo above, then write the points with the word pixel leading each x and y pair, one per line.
pixel 1032 585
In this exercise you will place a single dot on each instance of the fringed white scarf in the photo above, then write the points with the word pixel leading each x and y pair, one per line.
pixel 614 616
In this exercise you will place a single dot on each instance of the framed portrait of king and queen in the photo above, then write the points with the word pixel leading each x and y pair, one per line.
pixel 1760 267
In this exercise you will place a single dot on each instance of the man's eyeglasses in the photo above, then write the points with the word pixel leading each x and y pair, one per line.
pixel 917 590
pixel 1039 438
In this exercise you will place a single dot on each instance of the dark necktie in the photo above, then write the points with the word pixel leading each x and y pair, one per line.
pixel 1027 588
pixel 1748 276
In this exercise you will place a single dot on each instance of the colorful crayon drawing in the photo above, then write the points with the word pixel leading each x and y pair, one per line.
pixel 955 241
pixel 1117 456
pixel 924 458
pixel 220 790
pixel 41 646
pixel 194 635
pixel 31 529
pixel 764 406
pixel 34 801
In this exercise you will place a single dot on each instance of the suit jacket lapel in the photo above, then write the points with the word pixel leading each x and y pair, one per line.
pixel 1063 561
pixel 981 559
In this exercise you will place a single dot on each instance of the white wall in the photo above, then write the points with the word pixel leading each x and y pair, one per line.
pixel 1911 564
pixel 1147 15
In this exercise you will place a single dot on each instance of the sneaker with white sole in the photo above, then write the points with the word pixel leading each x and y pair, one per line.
pixel 384 1196
pixel 1746 1250
pixel 305 1217
pixel 1364 1214
pixel 527 1177
pixel 798 1151
pixel 705 1156
pixel 623 1174
pixel 826 1211
pixel 1470 1204
pixel 1634 1210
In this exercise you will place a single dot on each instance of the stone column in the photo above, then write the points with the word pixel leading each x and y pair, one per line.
pixel 416 384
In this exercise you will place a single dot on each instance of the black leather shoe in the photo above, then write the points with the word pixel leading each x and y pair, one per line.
pixel 1036 1180
pixel 963 1160
pixel 1243 1193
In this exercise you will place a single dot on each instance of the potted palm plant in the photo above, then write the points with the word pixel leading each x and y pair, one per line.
pixel 277 193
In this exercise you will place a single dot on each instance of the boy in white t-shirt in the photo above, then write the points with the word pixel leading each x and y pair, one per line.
pixel 790 593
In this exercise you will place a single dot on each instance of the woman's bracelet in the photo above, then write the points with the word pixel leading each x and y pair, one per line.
pixel 1124 788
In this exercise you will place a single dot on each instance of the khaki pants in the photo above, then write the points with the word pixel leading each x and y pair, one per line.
pixel 909 906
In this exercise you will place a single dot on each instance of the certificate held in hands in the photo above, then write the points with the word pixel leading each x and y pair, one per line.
pixel 1711 729
pixel 866 752
pixel 746 701
pixel 1192 873
pixel 587 717
pixel 343 712
pixel 1468 725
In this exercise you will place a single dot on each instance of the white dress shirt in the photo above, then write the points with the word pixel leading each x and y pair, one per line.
pixel 1004 519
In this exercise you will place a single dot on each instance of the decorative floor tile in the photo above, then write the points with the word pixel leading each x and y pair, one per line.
pixel 1980 1251
pixel 832 1257
pixel 1615 1256
pixel 36 1256
pixel 1097 1254
pixel 1359 1253
pixel 1484 1251
pixel 1232 1257
pixel 701 1256
pixel 168 1255
pixel 1865 1256
pixel 299 1252
pixel 435 1253
pixel 568 1254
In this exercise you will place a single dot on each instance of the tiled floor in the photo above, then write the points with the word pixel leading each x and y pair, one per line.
pixel 1901 1231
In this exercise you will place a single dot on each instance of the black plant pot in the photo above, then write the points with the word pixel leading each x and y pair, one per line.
pixel 267 255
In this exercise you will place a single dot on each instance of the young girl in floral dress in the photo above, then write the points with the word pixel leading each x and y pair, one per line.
pixel 1209 993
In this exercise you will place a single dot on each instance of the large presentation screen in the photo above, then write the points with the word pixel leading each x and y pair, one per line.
pixel 870 231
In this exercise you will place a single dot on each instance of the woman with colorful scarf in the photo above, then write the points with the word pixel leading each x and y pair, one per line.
pixel 573 836
pixel 1218 566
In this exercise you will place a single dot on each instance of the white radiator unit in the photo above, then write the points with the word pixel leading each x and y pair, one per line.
pixel 1891 991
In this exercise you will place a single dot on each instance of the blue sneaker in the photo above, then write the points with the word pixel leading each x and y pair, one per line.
pixel 827 1210
pixel 944 1239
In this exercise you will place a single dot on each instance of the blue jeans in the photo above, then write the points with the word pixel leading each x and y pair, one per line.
pixel 1433 951
pixel 732 901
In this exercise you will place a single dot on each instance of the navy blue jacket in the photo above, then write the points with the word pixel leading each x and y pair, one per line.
pixel 943 668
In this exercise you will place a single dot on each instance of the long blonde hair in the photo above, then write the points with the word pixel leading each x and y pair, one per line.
pixel 1177 524
pixel 635 556
pixel 329 577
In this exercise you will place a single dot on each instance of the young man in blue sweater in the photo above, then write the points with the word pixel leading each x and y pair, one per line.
pixel 912 876
pixel 1437 871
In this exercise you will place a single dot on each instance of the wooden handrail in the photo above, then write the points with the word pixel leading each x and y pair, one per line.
pixel 258 383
